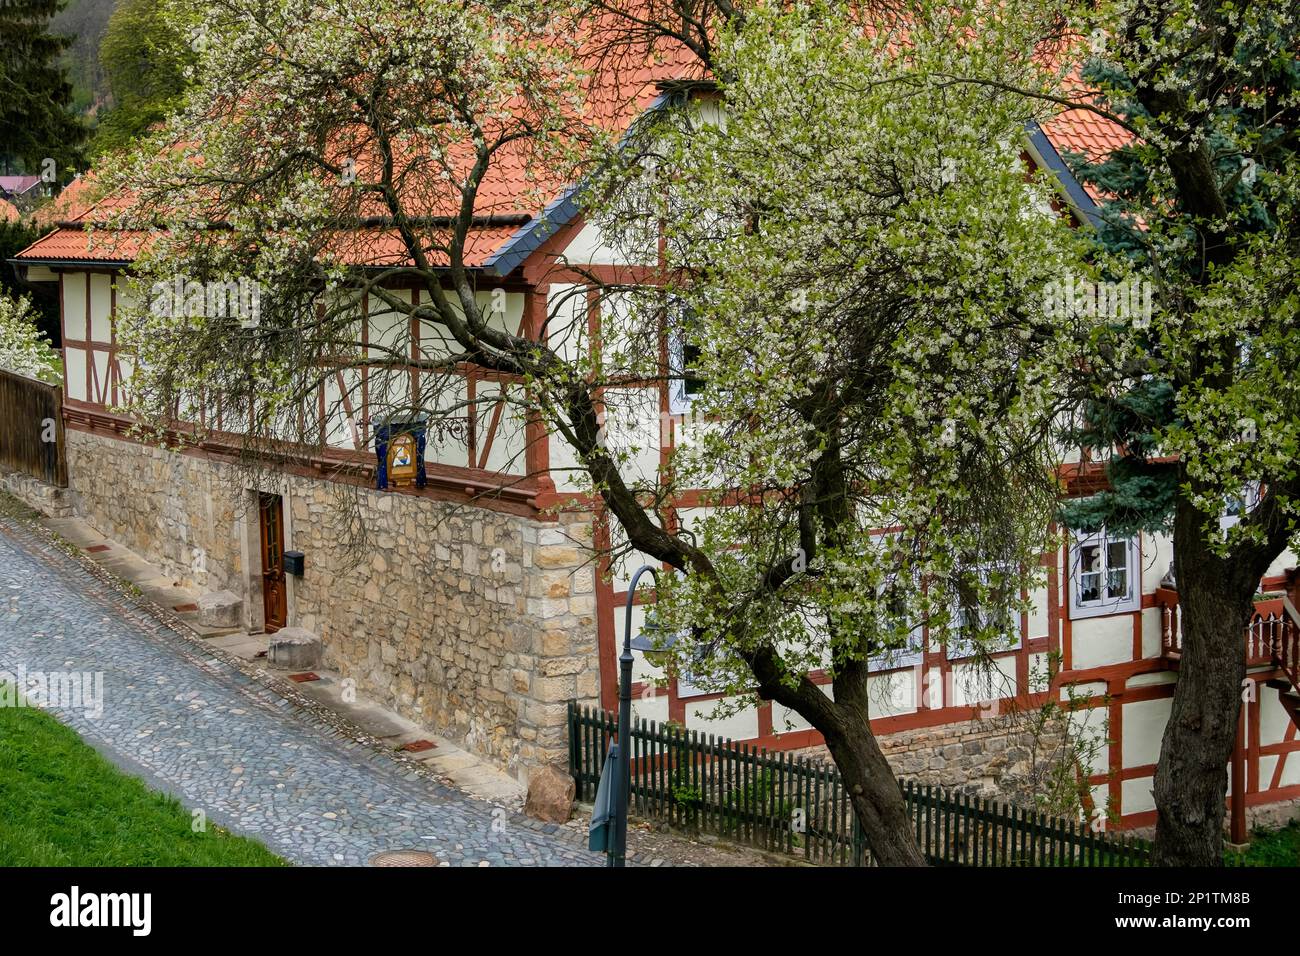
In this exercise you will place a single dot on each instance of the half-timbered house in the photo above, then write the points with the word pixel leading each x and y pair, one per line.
pixel 475 609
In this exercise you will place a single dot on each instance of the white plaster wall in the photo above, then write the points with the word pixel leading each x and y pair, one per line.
pixel 1144 727
pixel 742 725
pixel 1136 795
pixel 893 693
pixel 101 306
pixel 1098 641
pixel 976 683
pixel 1089 725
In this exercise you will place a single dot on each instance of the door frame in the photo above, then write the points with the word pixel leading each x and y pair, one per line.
pixel 267 502
pixel 250 551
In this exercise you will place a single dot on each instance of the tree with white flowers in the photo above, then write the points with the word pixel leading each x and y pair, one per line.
pixel 23 349
pixel 1196 413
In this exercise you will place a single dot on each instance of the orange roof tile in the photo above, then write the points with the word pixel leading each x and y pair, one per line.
pixel 619 89
pixel 618 92
pixel 1083 131
pixel 74 202
pixel 1088 134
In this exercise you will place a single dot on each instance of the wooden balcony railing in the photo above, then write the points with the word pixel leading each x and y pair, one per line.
pixel 1272 636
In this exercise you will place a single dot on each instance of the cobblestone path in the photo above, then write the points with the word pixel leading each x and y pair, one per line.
pixel 193 724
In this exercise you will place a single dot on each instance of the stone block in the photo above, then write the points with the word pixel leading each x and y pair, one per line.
pixel 220 609
pixel 557 557
pixel 295 649
pixel 550 795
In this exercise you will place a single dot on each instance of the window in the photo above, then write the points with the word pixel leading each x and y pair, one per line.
pixel 1104 575
pixel 909 654
pixel 1006 620
pixel 1237 507
pixel 683 356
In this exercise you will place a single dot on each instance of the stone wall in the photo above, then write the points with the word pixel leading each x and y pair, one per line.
pixel 47 499
pixel 997 756
pixel 994 757
pixel 478 625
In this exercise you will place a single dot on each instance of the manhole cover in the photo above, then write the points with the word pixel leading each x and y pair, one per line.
pixel 404 858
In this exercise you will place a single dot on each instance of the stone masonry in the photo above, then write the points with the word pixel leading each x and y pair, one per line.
pixel 992 757
pixel 476 624
pixel 996 757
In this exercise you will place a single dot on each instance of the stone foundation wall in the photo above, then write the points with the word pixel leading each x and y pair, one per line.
pixel 476 624
pixel 996 757
pixel 55 502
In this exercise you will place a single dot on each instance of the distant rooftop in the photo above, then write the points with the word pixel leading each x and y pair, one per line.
pixel 17 185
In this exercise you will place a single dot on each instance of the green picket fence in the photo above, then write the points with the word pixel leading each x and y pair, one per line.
pixel 792 804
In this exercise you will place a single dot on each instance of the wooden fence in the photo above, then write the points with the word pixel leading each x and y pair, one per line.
pixel 31 428
pixel 792 804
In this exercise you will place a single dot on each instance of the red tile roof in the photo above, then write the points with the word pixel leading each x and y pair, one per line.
pixel 76 200
pixel 619 91
pixel 78 245
pixel 1083 131
pixel 1086 133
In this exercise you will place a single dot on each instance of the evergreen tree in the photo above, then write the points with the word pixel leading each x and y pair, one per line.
pixel 1195 409
pixel 35 122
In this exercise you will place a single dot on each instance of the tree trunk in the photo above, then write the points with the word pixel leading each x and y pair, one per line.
pixel 876 796
pixel 1191 779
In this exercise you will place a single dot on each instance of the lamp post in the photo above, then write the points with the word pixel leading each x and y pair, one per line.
pixel 623 779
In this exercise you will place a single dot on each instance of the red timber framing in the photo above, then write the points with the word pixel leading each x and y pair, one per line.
pixel 1252 754
pixel 934 673
pixel 533 494
pixel 548 266
pixel 527 492
pixel 102 388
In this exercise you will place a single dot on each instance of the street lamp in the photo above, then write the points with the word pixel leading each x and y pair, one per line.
pixel 623 771
pixel 656 650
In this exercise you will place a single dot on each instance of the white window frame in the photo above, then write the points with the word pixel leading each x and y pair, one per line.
pixel 1239 506
pixel 1103 606
pixel 897 658
pixel 679 401
pixel 959 647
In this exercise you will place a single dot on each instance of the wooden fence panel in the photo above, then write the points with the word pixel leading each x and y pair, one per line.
pixel 791 803
pixel 31 429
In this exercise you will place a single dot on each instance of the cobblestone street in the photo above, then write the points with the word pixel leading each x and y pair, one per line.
pixel 221 741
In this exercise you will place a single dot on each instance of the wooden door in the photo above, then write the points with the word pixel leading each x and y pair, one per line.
pixel 274 598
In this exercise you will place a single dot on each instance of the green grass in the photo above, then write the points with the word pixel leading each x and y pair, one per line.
pixel 1271 848
pixel 62 804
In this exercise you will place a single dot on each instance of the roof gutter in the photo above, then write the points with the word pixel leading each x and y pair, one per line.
pixel 563 210
pixel 1045 154
pixel 72 263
